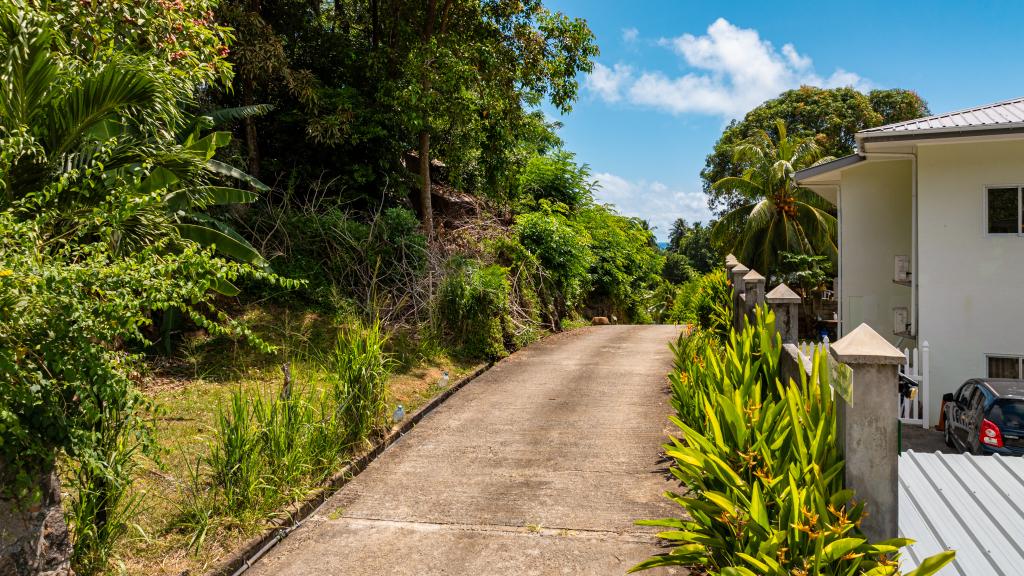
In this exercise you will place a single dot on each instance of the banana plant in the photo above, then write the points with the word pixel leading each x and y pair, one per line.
pixel 187 195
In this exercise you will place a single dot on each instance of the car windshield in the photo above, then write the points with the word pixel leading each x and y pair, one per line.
pixel 1008 414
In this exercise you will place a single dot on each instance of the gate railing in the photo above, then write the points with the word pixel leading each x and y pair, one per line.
pixel 913 408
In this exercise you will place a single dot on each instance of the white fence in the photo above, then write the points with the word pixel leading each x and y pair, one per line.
pixel 914 410
pixel 809 348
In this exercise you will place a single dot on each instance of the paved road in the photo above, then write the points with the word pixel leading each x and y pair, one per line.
pixel 539 466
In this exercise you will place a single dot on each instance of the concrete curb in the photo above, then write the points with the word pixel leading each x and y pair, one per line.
pixel 243 557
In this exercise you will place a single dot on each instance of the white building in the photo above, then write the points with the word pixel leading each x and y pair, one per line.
pixel 931 239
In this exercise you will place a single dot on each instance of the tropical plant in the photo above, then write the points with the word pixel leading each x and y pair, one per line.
pixel 705 303
pixel 562 250
pixel 778 216
pixel 761 463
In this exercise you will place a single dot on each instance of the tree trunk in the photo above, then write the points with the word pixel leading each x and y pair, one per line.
pixel 253 145
pixel 34 539
pixel 425 200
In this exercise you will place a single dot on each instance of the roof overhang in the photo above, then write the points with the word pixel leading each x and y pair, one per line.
pixel 827 173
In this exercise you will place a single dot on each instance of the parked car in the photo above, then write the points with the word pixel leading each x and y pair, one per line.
pixel 986 416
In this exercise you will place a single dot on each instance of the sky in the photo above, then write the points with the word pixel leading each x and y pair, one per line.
pixel 671 75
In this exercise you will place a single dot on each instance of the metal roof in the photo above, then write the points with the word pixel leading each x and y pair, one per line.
pixel 1008 114
pixel 971 504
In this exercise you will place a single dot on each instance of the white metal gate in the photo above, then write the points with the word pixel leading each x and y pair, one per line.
pixel 915 410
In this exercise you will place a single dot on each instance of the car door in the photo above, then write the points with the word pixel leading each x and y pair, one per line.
pixel 972 419
pixel 959 415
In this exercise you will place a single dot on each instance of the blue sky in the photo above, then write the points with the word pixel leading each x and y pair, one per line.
pixel 672 74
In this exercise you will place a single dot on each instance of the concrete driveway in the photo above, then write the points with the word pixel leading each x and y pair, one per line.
pixel 540 466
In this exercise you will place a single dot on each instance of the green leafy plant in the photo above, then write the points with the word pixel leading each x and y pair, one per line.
pixel 762 467
pixel 472 308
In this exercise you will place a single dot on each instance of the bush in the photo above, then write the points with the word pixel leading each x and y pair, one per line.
pixel 334 251
pixel 626 265
pixel 472 308
pixel 705 303
pixel 555 178
pixel 562 251
pixel 762 467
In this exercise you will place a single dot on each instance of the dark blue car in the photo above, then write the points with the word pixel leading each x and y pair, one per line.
pixel 986 416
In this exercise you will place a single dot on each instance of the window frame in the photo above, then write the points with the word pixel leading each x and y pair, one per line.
pixel 1018 357
pixel 1020 210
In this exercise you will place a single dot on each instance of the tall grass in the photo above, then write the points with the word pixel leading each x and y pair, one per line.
pixel 270 448
pixel 360 369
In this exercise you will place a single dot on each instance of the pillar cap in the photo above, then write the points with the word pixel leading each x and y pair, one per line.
pixel 781 294
pixel 865 346
pixel 731 261
pixel 740 268
pixel 752 276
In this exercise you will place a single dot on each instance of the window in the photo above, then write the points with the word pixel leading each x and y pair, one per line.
pixel 1003 211
pixel 1004 367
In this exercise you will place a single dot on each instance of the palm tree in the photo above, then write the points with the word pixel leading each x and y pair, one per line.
pixel 779 216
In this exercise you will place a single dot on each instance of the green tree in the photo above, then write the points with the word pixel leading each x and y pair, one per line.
pixel 694 242
pixel 831 116
pixel 776 216
pixel 371 89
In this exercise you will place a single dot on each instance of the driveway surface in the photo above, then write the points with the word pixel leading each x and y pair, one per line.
pixel 539 466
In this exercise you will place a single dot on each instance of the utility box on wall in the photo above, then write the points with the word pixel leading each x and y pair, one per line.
pixel 900 321
pixel 901 272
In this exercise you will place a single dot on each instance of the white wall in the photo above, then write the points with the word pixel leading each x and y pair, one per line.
pixel 970 283
pixel 875 215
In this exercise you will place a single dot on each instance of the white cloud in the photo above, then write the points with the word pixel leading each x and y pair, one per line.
pixel 630 35
pixel 653 201
pixel 729 71
pixel 607 82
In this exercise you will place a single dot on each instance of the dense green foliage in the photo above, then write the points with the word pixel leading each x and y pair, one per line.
pixel 705 304
pixel 360 84
pixel 776 215
pixel 691 251
pixel 829 116
pixel 761 463
pixel 473 308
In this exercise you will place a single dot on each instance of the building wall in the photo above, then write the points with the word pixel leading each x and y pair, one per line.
pixel 970 283
pixel 875 216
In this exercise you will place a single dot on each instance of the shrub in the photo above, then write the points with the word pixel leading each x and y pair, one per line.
pixel 334 249
pixel 760 460
pixel 626 265
pixel 472 308
pixel 555 178
pixel 562 251
pixel 705 303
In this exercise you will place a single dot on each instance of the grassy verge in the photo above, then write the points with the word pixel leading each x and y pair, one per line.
pixel 188 391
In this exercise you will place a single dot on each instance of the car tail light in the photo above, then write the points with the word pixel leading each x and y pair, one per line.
pixel 990 434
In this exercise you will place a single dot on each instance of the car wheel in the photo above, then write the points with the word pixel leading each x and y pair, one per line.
pixel 949 437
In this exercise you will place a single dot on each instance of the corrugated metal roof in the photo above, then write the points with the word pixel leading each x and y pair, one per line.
pixel 971 504
pixel 998 115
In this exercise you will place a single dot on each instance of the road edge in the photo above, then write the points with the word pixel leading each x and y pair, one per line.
pixel 246 555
